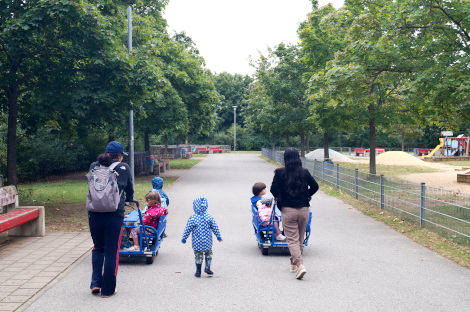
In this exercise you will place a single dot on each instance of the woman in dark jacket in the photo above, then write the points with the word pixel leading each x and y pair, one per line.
pixel 293 186
pixel 106 227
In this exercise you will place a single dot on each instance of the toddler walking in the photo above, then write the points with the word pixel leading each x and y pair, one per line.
pixel 201 225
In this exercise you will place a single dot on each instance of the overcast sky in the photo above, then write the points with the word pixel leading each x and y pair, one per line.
pixel 227 32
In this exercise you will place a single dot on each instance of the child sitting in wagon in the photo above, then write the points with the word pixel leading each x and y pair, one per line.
pixel 265 211
pixel 153 212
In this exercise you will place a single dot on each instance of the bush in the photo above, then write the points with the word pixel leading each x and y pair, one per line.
pixel 43 155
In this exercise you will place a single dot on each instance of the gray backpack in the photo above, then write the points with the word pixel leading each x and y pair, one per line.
pixel 103 191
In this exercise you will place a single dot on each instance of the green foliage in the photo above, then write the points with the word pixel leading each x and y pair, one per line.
pixel 43 154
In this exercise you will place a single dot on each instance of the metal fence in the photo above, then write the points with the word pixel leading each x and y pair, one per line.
pixel 444 212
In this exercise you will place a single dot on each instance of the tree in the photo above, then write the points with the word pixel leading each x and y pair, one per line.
pixel 51 46
pixel 232 90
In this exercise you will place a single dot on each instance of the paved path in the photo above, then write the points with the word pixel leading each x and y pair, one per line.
pixel 31 263
pixel 354 263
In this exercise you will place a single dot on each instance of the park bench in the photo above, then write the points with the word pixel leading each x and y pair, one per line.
pixel 186 154
pixel 366 151
pixel 423 151
pixel 215 149
pixel 360 151
pixel 20 221
pixel 202 150
pixel 160 165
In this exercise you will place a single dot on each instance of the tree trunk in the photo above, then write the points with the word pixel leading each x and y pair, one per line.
pixel 372 162
pixel 402 142
pixel 287 140
pixel 166 146
pixel 178 140
pixel 186 140
pixel 147 140
pixel 302 144
pixel 273 146
pixel 11 137
pixel 326 148
pixel 308 143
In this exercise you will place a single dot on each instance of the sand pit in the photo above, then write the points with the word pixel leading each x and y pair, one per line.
pixel 399 159
pixel 318 154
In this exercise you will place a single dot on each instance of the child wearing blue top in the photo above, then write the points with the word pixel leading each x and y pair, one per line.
pixel 157 184
pixel 202 225
pixel 258 189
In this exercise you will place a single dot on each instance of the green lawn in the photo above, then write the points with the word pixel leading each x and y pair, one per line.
pixel 64 198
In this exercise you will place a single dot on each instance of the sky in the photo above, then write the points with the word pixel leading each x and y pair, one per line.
pixel 228 32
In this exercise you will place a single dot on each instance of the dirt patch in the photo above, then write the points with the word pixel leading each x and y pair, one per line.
pixel 67 218
pixel 445 178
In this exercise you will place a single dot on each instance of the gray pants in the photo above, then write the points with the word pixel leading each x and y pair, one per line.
pixel 294 222
pixel 199 255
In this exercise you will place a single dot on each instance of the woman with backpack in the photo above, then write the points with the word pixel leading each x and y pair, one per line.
pixel 106 226
pixel 293 187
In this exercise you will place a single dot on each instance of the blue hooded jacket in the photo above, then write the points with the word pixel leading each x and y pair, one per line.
pixel 201 224
pixel 157 184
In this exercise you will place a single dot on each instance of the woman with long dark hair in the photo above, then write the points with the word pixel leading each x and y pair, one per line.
pixel 293 187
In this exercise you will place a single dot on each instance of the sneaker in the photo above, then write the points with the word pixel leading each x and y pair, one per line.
pixel 280 237
pixel 293 270
pixel 300 273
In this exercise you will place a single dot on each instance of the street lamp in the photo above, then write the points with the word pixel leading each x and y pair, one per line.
pixel 234 128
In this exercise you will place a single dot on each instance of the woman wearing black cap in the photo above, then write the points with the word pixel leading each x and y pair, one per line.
pixel 293 186
pixel 106 227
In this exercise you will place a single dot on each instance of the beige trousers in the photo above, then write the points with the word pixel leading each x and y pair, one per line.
pixel 294 222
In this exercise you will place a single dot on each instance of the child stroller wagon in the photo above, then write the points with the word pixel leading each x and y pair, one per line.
pixel 266 234
pixel 149 243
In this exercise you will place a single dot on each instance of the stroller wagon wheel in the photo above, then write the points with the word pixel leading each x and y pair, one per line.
pixel 264 251
pixel 149 259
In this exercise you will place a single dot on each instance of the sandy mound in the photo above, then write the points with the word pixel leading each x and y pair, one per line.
pixel 399 158
pixel 318 154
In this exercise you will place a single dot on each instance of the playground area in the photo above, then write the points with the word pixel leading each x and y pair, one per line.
pixel 445 177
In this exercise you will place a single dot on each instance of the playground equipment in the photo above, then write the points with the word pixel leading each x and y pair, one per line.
pixel 450 145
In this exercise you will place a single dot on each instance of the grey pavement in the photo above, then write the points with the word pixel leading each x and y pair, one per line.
pixel 353 262
pixel 28 265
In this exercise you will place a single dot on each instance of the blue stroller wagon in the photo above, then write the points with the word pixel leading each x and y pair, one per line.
pixel 149 243
pixel 266 234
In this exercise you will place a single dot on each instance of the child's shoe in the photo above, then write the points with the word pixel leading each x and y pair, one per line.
pixel 198 270
pixel 207 269
pixel 280 237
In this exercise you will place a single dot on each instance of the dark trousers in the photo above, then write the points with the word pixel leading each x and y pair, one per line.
pixel 106 230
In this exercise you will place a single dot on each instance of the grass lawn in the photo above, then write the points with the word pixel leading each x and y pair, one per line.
pixel 64 198
pixel 451 250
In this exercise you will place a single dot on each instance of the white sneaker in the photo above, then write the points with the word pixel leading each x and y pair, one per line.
pixel 280 237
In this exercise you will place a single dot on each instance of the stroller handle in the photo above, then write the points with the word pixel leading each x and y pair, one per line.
pixel 134 201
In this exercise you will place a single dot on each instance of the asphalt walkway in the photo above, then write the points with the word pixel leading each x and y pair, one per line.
pixel 354 263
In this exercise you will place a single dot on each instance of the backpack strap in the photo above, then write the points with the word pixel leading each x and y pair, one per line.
pixel 114 165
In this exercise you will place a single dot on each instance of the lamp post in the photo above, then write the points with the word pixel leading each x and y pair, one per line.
pixel 131 111
pixel 234 128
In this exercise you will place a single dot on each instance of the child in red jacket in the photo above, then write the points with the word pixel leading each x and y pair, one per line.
pixel 153 212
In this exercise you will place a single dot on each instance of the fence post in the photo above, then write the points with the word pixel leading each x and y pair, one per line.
pixel 382 192
pixel 323 172
pixel 337 176
pixel 422 215
pixel 356 182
